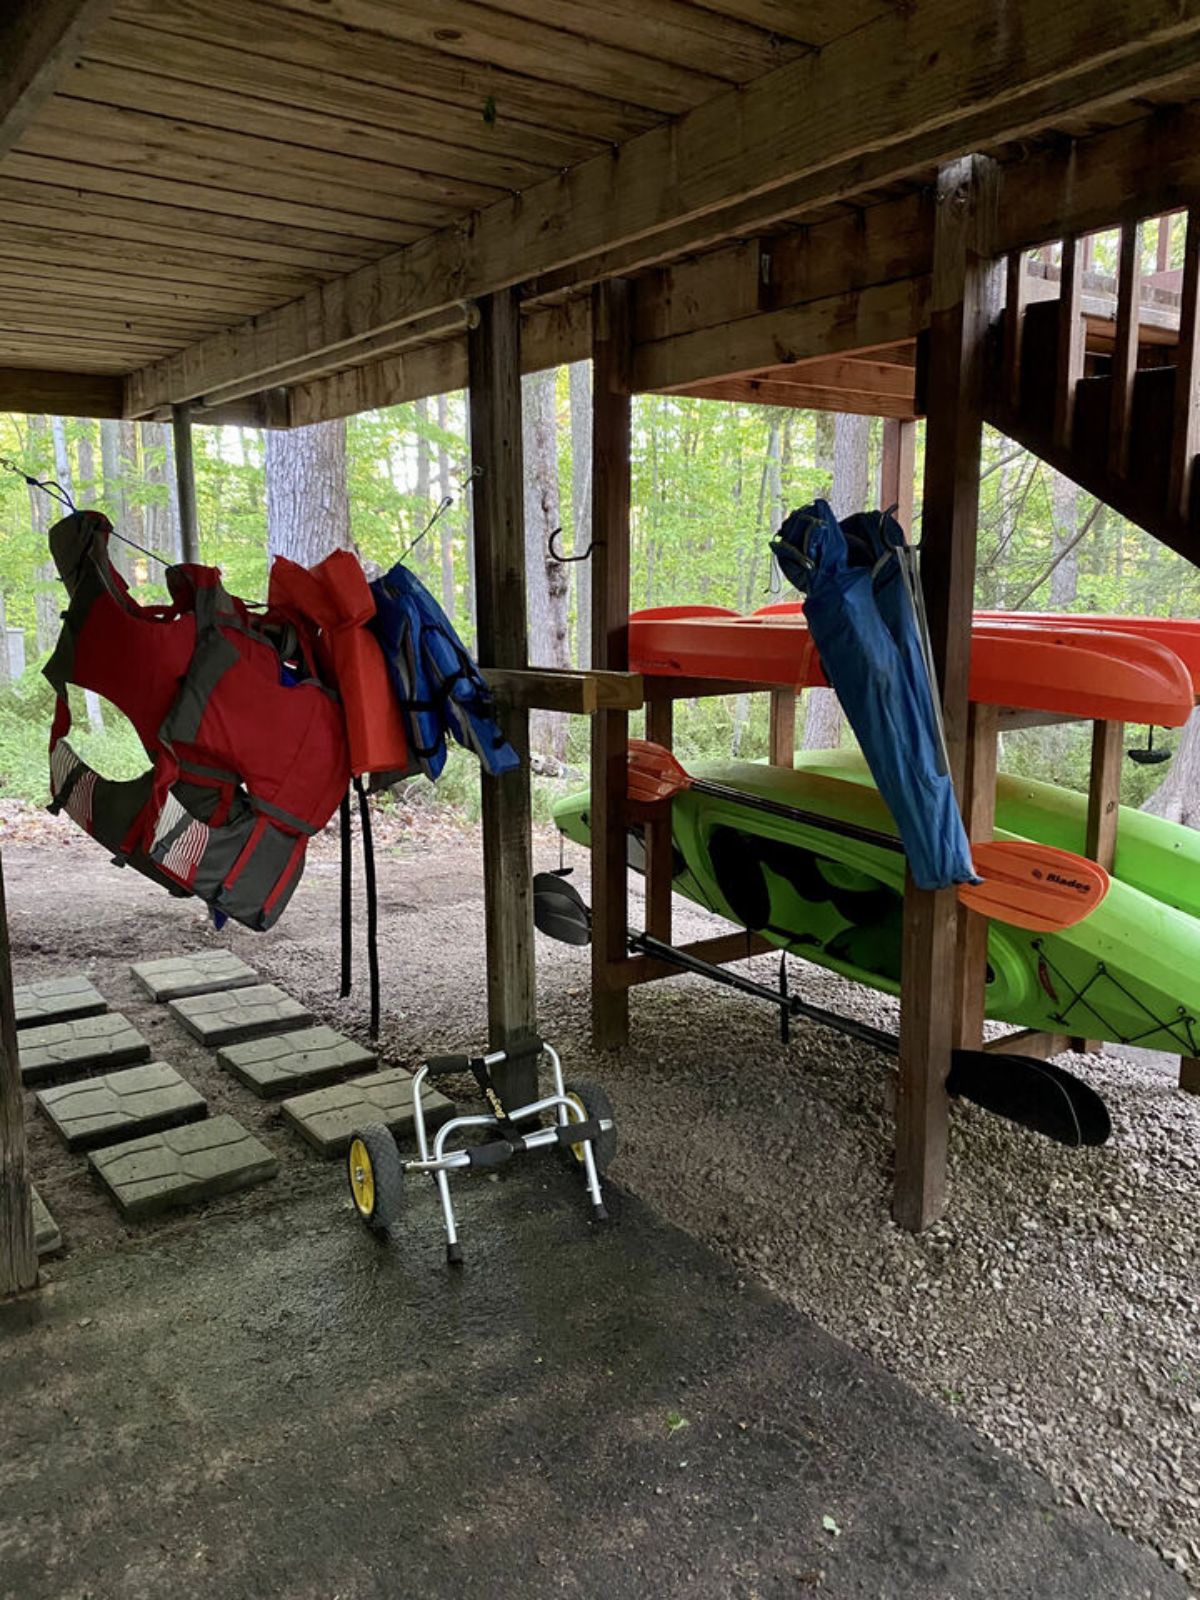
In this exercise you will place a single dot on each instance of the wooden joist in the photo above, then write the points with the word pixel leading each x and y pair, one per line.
pixel 37 39
pixel 799 125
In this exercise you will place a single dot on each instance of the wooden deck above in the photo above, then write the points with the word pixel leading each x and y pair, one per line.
pixel 283 205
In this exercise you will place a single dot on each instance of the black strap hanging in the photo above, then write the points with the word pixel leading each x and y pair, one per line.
pixel 372 904
pixel 347 907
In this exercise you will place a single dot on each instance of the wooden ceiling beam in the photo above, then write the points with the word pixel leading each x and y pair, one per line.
pixel 37 39
pixel 805 397
pixel 942 80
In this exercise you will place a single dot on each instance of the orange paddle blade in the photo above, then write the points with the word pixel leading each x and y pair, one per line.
pixel 654 773
pixel 1033 886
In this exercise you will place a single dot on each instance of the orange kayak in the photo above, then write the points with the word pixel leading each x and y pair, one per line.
pixel 1078 668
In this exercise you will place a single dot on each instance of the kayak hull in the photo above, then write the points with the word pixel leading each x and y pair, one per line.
pixel 1037 665
pixel 1129 973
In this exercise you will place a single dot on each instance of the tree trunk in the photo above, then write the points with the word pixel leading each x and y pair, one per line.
pixel 85 456
pixel 548 583
pixel 5 671
pixel 1064 580
pixel 113 495
pixel 48 599
pixel 62 471
pixel 308 508
pixel 580 383
pixel 848 492
pixel 162 512
pixel 446 528
pixel 1177 797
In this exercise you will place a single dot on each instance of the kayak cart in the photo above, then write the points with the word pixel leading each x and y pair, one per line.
pixel 582 1129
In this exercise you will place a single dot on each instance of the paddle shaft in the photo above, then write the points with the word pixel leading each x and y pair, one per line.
pixel 810 819
pixel 646 944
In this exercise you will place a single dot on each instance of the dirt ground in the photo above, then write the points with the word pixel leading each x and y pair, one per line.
pixel 1056 1308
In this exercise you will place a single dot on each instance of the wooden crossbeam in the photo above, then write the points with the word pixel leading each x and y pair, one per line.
pixel 558 689
pixel 938 85
pixel 802 396
pixel 37 41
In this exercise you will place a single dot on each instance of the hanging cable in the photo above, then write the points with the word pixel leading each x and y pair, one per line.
pixel 55 491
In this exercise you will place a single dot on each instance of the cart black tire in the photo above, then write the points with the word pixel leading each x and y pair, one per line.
pixel 375 1172
pixel 595 1104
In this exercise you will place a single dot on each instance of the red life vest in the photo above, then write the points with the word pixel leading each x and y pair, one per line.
pixel 248 746
pixel 335 598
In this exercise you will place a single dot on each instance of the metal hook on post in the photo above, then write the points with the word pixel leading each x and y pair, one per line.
pixel 565 561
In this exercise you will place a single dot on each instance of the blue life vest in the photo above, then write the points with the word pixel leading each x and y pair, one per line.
pixel 437 684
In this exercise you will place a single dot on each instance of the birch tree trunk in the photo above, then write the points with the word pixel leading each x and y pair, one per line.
pixel 580 385
pixel 5 670
pixel 62 471
pixel 308 508
pixel 548 583
pixel 446 530
pixel 848 492
pixel 113 487
pixel 1064 579
pixel 47 599
pixel 1178 796
pixel 162 514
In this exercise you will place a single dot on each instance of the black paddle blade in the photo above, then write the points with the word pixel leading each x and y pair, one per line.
pixel 559 910
pixel 1034 1094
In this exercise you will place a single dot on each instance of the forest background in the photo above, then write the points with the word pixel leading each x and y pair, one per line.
pixel 711 482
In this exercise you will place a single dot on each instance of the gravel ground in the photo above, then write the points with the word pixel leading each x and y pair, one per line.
pixel 1056 1308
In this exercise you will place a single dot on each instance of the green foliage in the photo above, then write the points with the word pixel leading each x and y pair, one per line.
pixel 705 499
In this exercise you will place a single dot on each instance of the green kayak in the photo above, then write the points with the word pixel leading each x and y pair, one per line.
pixel 1129 973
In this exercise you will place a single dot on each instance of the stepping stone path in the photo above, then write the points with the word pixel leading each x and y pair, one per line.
pixel 182 1166
pixel 237 1014
pixel 104 1110
pixel 286 1062
pixel 57 1000
pixel 175 977
pixel 328 1117
pixel 47 1236
pixel 72 1049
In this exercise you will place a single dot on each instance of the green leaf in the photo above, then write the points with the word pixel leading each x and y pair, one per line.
pixel 830 1525
pixel 675 1422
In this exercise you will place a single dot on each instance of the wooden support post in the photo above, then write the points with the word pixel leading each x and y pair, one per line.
pixel 1071 336
pixel 494 367
pixel 185 480
pixel 1071 331
pixel 897 468
pixel 783 728
pixel 1125 347
pixel 611 353
pixel 18 1255
pixel 1189 1074
pixel 660 854
pixel 979 815
pixel 1185 428
pixel 1104 805
pixel 964 298
pixel 1015 295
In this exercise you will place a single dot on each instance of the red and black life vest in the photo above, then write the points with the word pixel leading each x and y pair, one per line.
pixel 248 747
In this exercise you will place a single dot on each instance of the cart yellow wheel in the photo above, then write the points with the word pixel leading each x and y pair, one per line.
pixel 592 1102
pixel 375 1173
